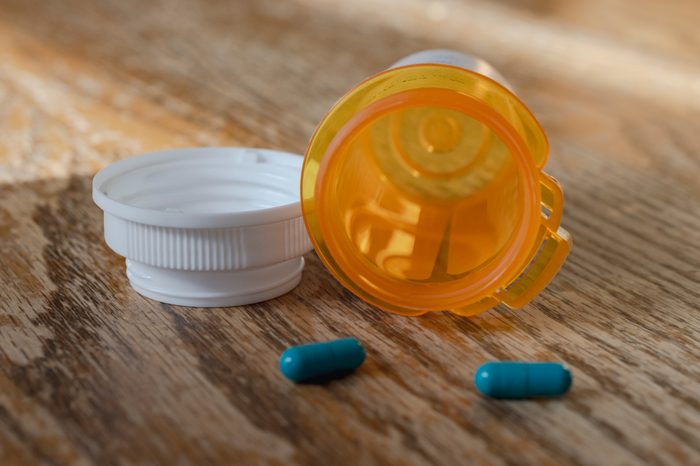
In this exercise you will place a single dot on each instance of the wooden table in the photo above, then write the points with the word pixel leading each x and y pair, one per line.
pixel 92 373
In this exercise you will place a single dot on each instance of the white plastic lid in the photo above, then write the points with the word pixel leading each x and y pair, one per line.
pixel 206 227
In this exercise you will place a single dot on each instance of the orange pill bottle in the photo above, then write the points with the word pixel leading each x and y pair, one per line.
pixel 423 190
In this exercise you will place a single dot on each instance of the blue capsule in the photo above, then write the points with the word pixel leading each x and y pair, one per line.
pixel 322 361
pixel 515 379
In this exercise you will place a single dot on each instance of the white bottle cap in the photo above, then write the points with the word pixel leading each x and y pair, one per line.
pixel 206 227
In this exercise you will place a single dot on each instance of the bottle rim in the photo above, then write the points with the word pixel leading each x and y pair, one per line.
pixel 405 296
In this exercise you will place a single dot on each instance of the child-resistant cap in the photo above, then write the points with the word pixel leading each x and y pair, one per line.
pixel 207 226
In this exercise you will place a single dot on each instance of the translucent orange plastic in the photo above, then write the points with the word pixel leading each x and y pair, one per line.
pixel 422 191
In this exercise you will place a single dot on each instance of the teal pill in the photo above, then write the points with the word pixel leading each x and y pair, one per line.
pixel 322 361
pixel 516 379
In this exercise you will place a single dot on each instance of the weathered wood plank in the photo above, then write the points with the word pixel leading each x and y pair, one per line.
pixel 92 373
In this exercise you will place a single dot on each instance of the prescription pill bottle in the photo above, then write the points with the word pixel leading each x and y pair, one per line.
pixel 423 190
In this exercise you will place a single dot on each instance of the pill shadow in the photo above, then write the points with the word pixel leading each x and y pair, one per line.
pixel 575 394
pixel 327 379
pixel 536 400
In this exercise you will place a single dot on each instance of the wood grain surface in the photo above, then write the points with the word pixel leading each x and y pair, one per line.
pixel 92 373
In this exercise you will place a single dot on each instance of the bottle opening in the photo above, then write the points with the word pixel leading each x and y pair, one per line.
pixel 415 191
